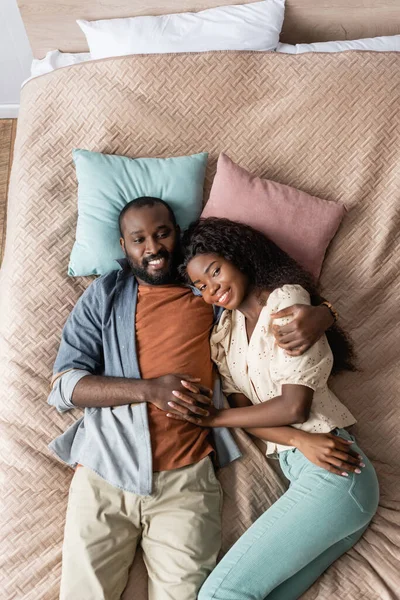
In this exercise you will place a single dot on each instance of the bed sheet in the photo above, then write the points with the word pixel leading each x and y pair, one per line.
pixel 327 124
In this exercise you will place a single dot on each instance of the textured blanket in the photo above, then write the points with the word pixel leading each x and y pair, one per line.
pixel 327 124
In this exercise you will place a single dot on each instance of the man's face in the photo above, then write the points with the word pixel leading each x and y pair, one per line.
pixel 151 244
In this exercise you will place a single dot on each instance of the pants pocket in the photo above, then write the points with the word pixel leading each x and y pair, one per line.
pixel 293 463
pixel 364 489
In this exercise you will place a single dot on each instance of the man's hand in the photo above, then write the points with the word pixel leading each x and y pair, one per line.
pixel 329 452
pixel 169 394
pixel 308 325
pixel 185 404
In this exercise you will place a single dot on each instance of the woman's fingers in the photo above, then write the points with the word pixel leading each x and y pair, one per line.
pixel 179 417
pixel 343 465
pixel 345 445
pixel 346 458
pixel 198 389
pixel 187 377
pixel 184 407
pixel 332 469
pixel 190 386
pixel 347 449
pixel 193 399
pixel 351 453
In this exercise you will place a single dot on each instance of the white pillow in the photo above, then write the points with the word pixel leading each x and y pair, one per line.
pixel 55 59
pixel 245 27
pixel 388 43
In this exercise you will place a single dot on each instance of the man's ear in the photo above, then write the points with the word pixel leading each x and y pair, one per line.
pixel 122 242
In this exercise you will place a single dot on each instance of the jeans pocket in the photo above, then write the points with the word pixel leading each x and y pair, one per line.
pixel 364 489
pixel 343 433
pixel 293 463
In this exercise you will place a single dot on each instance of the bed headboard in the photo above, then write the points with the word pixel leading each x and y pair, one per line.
pixel 51 24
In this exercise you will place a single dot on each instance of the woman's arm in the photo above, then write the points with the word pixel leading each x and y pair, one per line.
pixel 292 406
pixel 330 452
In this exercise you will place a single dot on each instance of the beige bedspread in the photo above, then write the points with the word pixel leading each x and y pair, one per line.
pixel 328 124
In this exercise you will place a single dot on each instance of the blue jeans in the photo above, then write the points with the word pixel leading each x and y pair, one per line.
pixel 318 519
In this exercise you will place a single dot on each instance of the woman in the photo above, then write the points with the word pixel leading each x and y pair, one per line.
pixel 322 515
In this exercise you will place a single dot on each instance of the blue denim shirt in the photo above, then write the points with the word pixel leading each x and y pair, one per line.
pixel 99 339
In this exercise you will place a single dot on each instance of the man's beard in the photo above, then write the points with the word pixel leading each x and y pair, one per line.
pixel 164 277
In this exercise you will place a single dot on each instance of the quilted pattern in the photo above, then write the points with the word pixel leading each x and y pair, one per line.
pixel 326 124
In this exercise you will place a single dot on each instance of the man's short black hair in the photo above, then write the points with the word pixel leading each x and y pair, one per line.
pixel 141 203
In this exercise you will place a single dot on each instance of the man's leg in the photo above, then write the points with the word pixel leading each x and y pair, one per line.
pixel 181 531
pixel 100 539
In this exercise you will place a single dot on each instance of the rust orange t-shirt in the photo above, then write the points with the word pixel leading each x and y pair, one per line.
pixel 173 336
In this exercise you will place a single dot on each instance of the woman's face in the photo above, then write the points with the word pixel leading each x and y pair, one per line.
pixel 218 280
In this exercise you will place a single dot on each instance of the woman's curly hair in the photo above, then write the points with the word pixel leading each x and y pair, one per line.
pixel 266 266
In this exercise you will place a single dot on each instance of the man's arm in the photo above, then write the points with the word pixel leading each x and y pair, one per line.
pixel 95 391
pixel 308 325
pixel 79 389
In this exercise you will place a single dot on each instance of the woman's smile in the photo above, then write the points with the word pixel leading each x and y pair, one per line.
pixel 224 297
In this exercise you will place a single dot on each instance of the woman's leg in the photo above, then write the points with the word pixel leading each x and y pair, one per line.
pixel 293 588
pixel 317 512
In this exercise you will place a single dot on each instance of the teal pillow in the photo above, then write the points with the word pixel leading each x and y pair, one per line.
pixel 107 182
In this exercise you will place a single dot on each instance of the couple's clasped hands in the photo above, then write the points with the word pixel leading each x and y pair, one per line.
pixel 183 397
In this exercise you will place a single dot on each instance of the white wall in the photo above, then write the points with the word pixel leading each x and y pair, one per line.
pixel 15 57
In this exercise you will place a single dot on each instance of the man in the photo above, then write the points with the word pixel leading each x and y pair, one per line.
pixel 134 336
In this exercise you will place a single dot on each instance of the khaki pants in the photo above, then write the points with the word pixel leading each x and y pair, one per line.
pixel 178 526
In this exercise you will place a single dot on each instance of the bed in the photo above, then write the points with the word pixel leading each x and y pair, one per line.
pixel 327 124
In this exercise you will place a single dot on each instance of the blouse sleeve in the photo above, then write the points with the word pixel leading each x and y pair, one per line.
pixel 219 342
pixel 312 368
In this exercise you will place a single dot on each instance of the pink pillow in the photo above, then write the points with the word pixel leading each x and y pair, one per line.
pixel 300 224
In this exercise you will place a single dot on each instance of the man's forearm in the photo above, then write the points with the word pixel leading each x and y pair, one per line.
pixel 95 391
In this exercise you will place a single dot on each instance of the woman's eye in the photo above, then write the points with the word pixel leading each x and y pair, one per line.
pixel 216 272
pixel 202 288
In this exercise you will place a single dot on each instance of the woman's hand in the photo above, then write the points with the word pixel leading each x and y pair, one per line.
pixel 188 403
pixel 329 452
pixel 308 325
